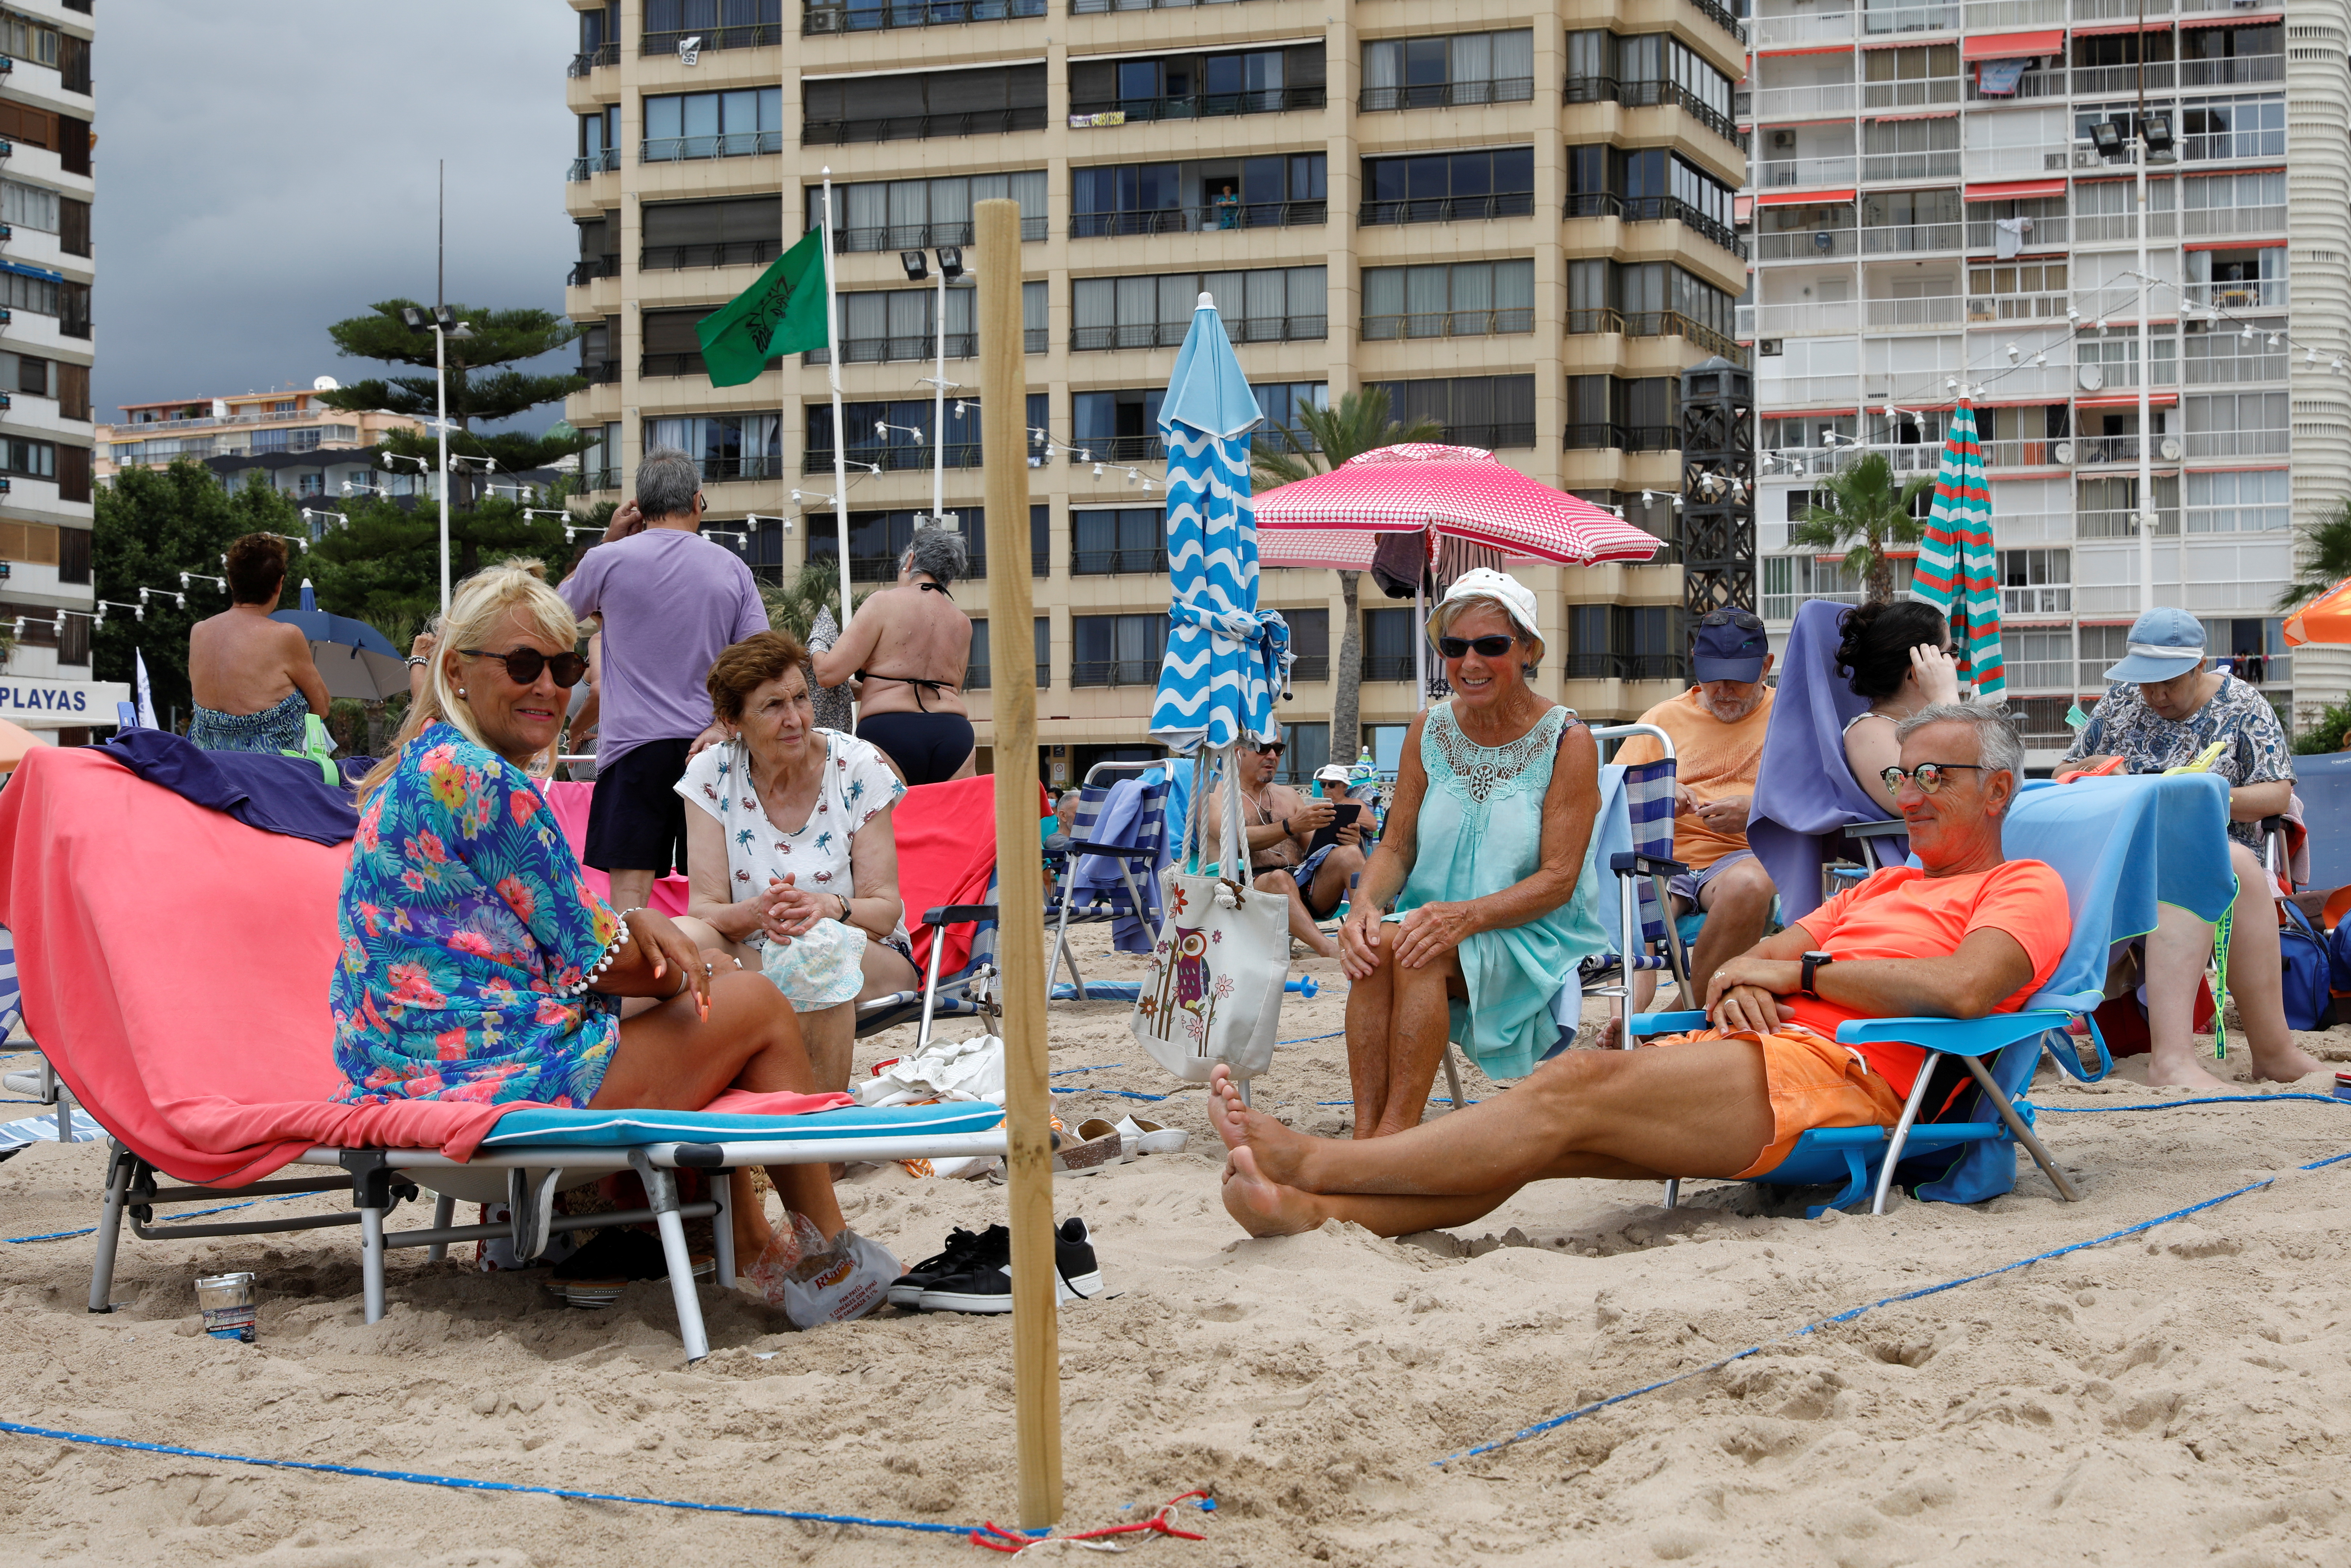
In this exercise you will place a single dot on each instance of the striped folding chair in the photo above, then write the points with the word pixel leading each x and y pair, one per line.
pixel 1084 896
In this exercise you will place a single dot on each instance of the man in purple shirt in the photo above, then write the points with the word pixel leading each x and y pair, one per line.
pixel 671 603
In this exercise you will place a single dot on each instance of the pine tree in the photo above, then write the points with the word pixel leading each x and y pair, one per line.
pixel 479 390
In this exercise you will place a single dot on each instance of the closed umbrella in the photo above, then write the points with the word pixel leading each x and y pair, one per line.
pixel 1957 572
pixel 1224 656
pixel 354 659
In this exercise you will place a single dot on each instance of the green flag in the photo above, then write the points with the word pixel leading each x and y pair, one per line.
pixel 783 313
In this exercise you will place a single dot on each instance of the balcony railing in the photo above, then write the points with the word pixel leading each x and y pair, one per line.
pixel 2091 451
pixel 1805 318
pixel 1090 8
pixel 1721 18
pixel 688 364
pixel 1806 173
pixel 873 455
pixel 1924 93
pixel 1808 102
pixel 1933 17
pixel 1448 209
pixel 602 55
pixel 589 268
pixel 1941 163
pixel 2046 234
pixel 868 18
pixel 2002 16
pixel 1803 28
pixel 1115 672
pixel 2017 307
pixel 2097 228
pixel 600 479
pixel 1449 324
pixel 1198 220
pixel 2198 222
pixel 2011 162
pixel 2223 146
pixel 688 149
pixel 2029 84
pixel 1653 95
pixel 2108 80
pixel 1894 239
pixel 916 127
pixel 602 162
pixel 2118 10
pixel 1200 105
pixel 1624 667
pixel 1612 437
pixel 1390 666
pixel 749 36
pixel 1801 244
pixel 2261 367
pixel 717 253
pixel 1446 94
pixel 1674 324
pixel 1655 209
pixel 919 236
pixel 1494 437
pixel 1170 334
pixel 864 567
pixel 599 371
pixel 2267 294
pixel 923 346
pixel 2019 454
pixel 2274 442
pixel 1118 562
pixel 2123 524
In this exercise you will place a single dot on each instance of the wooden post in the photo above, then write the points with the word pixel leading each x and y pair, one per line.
pixel 1020 899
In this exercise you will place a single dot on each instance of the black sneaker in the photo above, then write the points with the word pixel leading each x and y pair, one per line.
pixel 965 1250
pixel 988 1288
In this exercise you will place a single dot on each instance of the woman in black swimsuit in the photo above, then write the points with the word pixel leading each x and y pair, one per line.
pixel 933 743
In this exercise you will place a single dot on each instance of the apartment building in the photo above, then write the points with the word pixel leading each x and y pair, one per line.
pixel 1519 223
pixel 1945 192
pixel 288 421
pixel 46 268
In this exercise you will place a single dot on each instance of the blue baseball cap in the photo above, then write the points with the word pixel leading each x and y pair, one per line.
pixel 1729 645
pixel 2165 645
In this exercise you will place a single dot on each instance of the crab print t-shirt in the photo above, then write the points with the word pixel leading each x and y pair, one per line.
pixel 466 935
pixel 858 786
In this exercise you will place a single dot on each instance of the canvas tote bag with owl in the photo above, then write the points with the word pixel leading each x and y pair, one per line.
pixel 1214 990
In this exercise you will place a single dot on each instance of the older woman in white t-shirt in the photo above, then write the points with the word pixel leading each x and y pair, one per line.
pixel 792 845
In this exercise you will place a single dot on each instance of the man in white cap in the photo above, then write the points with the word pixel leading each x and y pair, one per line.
pixel 2167 711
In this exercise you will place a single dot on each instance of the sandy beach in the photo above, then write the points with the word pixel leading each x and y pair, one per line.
pixel 2177 1396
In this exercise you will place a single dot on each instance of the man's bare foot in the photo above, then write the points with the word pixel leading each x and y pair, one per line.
pixel 2285 1066
pixel 2185 1074
pixel 1611 1035
pixel 1276 1147
pixel 1264 1208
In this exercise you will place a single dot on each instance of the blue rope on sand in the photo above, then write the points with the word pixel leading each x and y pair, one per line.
pixel 2204 1100
pixel 1850 1313
pixel 459 1483
pixel 168 1219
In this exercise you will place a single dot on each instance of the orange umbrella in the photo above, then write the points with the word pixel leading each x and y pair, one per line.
pixel 15 741
pixel 2325 619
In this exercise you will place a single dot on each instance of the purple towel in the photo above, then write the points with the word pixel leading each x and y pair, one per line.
pixel 1805 791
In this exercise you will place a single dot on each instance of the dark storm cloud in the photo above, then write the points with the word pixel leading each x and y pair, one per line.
pixel 265 167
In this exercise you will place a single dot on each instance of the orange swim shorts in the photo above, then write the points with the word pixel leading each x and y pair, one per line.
pixel 1814 1083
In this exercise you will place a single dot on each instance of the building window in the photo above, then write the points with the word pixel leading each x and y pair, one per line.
pixel 2035 581
pixel 1123 426
pixel 1440 73
pixel 2103 647
pixel 738 231
pixel 908 105
pixel 1473 411
pixel 2225 356
pixel 36 459
pixel 1280 402
pixel 897 434
pixel 2237 425
pixel 19 292
pixel 2109 507
pixel 1627 413
pixel 1273 192
pixel 878 539
pixel 1108 542
pixel 1191 87
pixel 2025 291
pixel 881 325
pixel 1275 305
pixel 689 125
pixel 1387 645
pixel 27 39
pixel 743 24
pixel 1449 187
pixel 2243 127
pixel 1116 649
pixel 309 485
pixel 726 446
pixel 1623 643
pixel 1310 643
pixel 914 215
pixel 976 673
pixel 2222 205
pixel 1650 299
pixel 73 555
pixel 1458 299
pixel 28 206
pixel 2241 501
pixel 2038 660
pixel 1306 750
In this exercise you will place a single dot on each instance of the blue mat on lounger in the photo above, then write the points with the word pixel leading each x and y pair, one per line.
pixel 602 1129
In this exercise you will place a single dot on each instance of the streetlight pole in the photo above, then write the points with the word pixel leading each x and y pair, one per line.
pixel 441 435
pixel 950 269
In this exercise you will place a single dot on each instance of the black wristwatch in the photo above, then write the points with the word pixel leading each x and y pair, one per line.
pixel 1814 961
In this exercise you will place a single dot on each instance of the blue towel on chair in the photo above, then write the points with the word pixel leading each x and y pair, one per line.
pixel 275 794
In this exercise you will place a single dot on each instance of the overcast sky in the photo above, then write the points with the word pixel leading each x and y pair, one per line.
pixel 265 167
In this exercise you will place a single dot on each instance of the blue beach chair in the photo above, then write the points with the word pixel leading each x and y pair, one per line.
pixel 2122 846
pixel 1110 880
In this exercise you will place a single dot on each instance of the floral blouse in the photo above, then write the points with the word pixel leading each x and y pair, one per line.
pixel 467 936
pixel 2121 725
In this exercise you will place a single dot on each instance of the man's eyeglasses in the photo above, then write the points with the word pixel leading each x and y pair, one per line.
pixel 1929 776
pixel 524 665
pixel 1488 647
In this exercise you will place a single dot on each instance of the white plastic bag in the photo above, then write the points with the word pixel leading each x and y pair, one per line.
pixel 817 1281
pixel 950 1070
pixel 1214 990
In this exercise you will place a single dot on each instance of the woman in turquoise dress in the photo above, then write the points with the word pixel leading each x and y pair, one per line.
pixel 1484 861
pixel 477 962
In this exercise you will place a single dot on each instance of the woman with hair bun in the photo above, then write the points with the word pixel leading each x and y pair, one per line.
pixel 911 705
pixel 1897 654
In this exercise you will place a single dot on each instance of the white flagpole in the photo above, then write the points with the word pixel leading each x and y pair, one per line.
pixel 839 429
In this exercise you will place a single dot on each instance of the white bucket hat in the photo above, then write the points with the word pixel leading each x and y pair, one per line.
pixel 1484 582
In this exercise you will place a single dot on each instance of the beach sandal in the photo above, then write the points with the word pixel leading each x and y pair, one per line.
pixel 1098 1145
pixel 1140 1138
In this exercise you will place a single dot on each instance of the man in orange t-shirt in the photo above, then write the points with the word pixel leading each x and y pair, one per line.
pixel 1970 935
pixel 1717 727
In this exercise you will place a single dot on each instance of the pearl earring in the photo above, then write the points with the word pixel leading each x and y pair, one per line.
pixel 461 691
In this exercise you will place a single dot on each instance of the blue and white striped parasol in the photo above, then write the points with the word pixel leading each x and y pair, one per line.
pixel 1225 656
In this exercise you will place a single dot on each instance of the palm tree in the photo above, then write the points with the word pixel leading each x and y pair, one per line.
pixel 2326 557
pixel 792 606
pixel 1866 513
pixel 1359 424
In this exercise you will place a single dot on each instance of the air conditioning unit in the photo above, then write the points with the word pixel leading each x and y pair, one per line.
pixel 1768 348
pixel 827 19
pixel 2062 452
pixel 1783 139
pixel 2086 158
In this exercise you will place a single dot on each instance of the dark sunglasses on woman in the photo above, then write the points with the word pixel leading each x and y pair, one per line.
pixel 1488 647
pixel 524 665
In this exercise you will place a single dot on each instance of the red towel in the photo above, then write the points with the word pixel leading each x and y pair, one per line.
pixel 947 853
pixel 570 802
pixel 174 965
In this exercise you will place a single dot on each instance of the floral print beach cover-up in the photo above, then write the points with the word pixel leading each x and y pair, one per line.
pixel 466 933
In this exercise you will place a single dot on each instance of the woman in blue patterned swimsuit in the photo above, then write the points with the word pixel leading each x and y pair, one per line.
pixel 476 964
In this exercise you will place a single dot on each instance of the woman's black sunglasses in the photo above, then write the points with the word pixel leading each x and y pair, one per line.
pixel 1492 647
pixel 524 665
